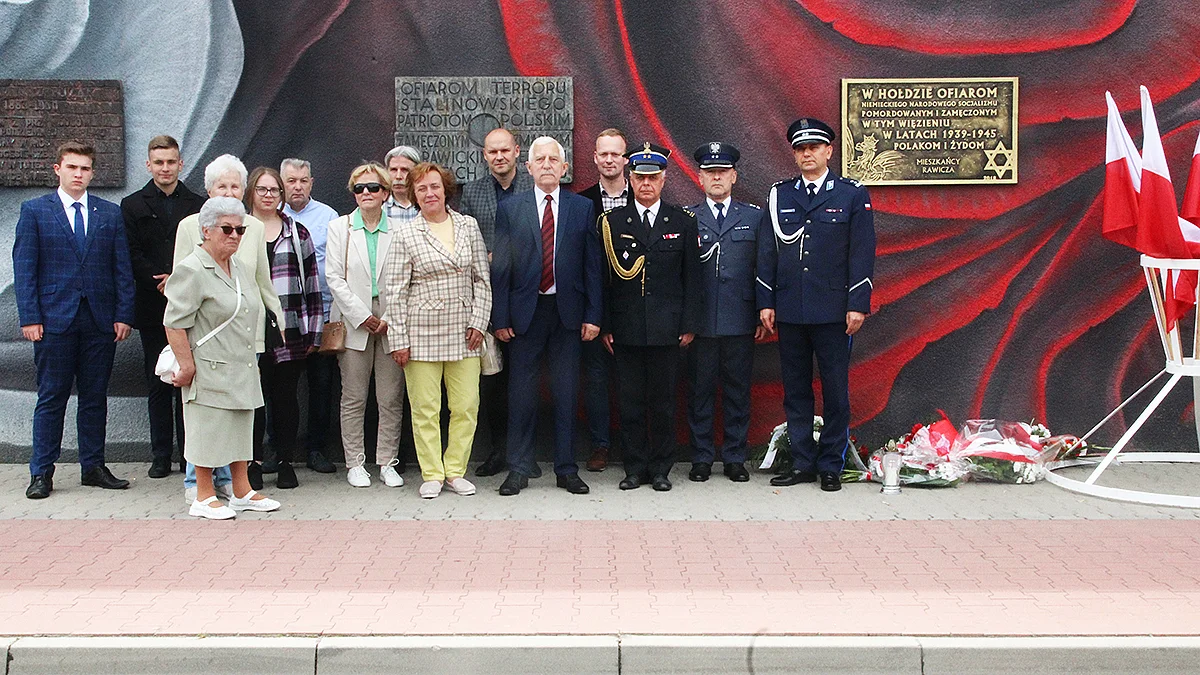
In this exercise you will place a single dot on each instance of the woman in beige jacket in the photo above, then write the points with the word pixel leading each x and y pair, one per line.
pixel 355 251
pixel 439 296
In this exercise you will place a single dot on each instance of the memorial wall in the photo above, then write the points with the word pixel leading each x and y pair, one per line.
pixel 995 294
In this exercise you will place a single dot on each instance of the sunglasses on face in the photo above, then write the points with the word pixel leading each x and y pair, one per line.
pixel 230 229
pixel 369 187
pixel 264 190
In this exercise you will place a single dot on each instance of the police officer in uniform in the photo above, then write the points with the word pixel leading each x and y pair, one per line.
pixel 724 347
pixel 814 284
pixel 652 308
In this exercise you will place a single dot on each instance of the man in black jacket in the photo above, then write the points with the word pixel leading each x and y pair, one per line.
pixel 151 216
pixel 652 308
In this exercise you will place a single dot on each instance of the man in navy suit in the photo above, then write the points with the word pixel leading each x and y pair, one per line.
pixel 814 278
pixel 546 299
pixel 74 288
pixel 724 347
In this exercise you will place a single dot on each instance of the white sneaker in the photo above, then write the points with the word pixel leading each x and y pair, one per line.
pixel 226 491
pixel 211 508
pixel 461 486
pixel 358 476
pixel 430 489
pixel 390 477
pixel 249 503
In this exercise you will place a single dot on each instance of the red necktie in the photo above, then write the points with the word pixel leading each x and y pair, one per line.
pixel 547 247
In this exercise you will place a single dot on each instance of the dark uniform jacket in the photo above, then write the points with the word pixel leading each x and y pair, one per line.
pixel 653 277
pixel 728 259
pixel 151 235
pixel 826 270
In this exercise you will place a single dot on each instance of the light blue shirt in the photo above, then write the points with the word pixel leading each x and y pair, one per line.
pixel 315 217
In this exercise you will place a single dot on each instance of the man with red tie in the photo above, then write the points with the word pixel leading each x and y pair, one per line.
pixel 546 301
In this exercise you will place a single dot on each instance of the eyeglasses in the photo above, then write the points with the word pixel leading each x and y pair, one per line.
pixel 230 229
pixel 264 190
pixel 369 187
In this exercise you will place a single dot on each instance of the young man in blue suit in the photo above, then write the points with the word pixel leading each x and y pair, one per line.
pixel 546 299
pixel 74 288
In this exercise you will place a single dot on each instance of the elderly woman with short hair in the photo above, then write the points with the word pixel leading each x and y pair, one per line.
pixel 225 176
pixel 439 299
pixel 213 312
pixel 357 246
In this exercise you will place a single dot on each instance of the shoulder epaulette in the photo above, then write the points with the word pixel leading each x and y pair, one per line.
pixel 851 181
pixel 687 211
pixel 753 206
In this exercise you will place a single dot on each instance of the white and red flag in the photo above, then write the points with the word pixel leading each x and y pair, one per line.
pixel 1191 194
pixel 1122 181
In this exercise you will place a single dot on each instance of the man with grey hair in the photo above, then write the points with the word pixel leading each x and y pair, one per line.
pixel 315 216
pixel 546 300
pixel 399 161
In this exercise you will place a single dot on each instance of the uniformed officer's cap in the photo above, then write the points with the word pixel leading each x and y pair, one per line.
pixel 649 159
pixel 717 155
pixel 808 130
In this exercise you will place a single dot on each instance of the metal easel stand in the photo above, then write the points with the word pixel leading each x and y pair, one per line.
pixel 1160 274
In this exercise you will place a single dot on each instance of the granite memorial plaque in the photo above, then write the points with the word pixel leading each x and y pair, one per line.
pixel 447 118
pixel 37 115
pixel 933 131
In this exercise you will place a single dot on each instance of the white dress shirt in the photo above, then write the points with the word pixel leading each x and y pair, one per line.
pixel 712 206
pixel 541 208
pixel 68 206
pixel 653 209
pixel 819 182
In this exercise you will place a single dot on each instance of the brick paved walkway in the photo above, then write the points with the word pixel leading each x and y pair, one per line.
pixel 1103 569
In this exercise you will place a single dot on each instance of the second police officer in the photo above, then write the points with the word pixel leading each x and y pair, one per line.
pixel 815 284
pixel 724 346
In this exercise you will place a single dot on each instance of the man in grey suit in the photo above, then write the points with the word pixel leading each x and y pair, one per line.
pixel 480 198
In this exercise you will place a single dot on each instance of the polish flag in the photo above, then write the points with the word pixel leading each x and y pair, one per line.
pixel 1191 194
pixel 1122 181
pixel 1161 233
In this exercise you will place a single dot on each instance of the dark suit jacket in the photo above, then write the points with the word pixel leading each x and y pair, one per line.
pixel 151 234
pixel 662 301
pixel 479 201
pixel 728 259
pixel 827 270
pixel 517 262
pixel 51 275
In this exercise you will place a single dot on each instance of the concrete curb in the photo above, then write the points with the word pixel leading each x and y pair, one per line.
pixel 628 654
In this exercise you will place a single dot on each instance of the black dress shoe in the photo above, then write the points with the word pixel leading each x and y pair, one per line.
pixel 254 475
pixel 101 477
pixel 700 472
pixel 736 472
pixel 39 487
pixel 513 484
pixel 160 467
pixel 660 483
pixel 831 482
pixel 631 482
pixel 286 478
pixel 794 477
pixel 494 464
pixel 537 471
pixel 574 484
pixel 320 463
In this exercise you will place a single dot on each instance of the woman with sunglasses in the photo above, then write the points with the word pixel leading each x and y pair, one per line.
pixel 212 316
pixel 357 245
pixel 293 263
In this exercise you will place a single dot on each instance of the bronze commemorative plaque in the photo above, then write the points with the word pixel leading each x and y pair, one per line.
pixel 937 131
pixel 447 118
pixel 37 115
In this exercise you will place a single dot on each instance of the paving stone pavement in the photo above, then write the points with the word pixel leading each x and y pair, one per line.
pixel 705 559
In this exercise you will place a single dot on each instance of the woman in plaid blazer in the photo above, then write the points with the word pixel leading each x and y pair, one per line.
pixel 438 301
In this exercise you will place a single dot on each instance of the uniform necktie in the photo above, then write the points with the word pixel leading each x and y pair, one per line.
pixel 720 214
pixel 812 190
pixel 547 247
pixel 646 219
pixel 80 235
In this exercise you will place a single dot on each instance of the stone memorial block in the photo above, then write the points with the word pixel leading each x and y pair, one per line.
pixel 447 118
pixel 37 115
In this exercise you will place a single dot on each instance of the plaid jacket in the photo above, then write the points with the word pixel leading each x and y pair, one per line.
pixel 303 310
pixel 479 202
pixel 434 295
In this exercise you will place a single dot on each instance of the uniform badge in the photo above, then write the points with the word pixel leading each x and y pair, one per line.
pixel 672 235
pixel 867 206
pixel 829 186
pixel 625 255
pixel 833 210
pixel 714 148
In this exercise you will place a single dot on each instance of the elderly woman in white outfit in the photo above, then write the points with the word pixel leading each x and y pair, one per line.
pixel 212 320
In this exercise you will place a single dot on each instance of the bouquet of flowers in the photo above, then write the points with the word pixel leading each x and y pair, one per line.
pixel 776 455
pixel 925 455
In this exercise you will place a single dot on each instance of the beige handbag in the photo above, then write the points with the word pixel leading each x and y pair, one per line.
pixel 491 361
pixel 333 333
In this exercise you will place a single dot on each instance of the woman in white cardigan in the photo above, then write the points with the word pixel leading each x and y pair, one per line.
pixel 355 250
